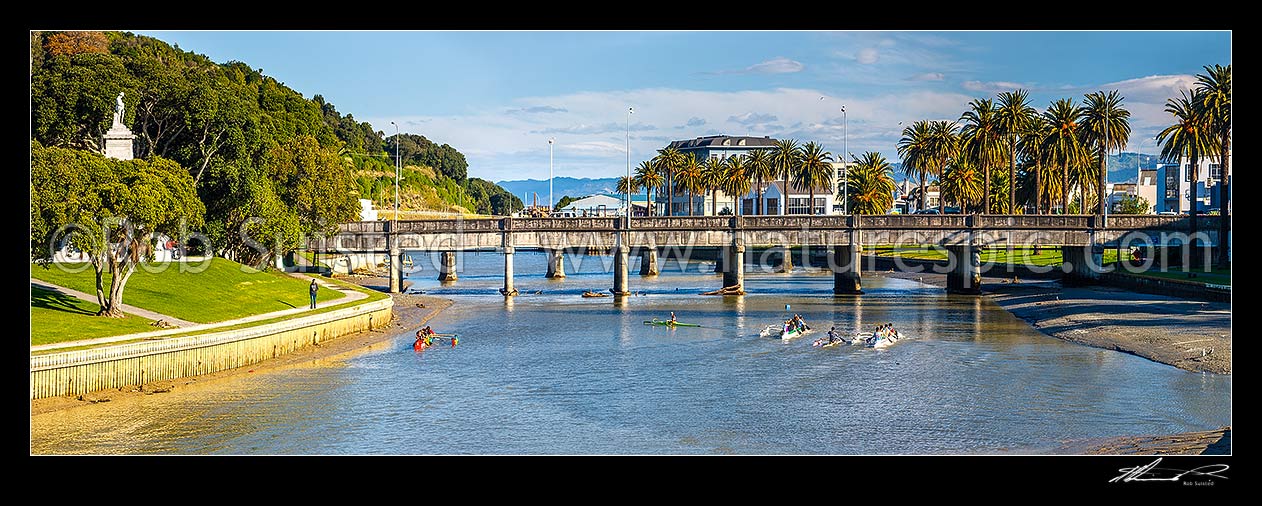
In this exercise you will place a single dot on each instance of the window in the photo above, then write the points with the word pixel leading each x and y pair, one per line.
pixel 1187 172
pixel 747 206
pixel 797 206
pixel 1172 182
pixel 772 206
pixel 819 205
pixel 1215 171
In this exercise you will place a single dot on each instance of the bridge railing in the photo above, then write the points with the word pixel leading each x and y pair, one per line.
pixel 559 224
pixel 794 222
pixel 913 221
pixel 682 223
pixel 449 225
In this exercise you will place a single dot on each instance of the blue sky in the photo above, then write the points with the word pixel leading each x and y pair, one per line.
pixel 499 96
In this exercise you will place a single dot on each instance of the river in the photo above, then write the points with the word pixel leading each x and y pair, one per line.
pixel 549 372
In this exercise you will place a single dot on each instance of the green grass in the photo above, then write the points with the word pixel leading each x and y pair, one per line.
pixel 223 291
pixel 110 327
pixel 1019 256
pixel 57 318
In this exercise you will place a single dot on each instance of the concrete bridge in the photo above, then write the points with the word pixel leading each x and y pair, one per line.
pixel 1083 238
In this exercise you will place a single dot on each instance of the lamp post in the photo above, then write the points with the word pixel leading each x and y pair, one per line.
pixel 845 151
pixel 550 204
pixel 396 171
pixel 630 111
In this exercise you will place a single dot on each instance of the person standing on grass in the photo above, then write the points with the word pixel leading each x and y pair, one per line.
pixel 314 289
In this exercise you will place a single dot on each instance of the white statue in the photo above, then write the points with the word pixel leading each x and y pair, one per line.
pixel 118 110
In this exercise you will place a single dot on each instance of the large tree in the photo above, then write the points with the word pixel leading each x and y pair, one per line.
pixel 760 169
pixel 315 182
pixel 736 180
pixel 1190 136
pixel 1030 149
pixel 712 173
pixel 982 141
pixel 1063 143
pixel 688 179
pixel 1105 126
pixel 648 177
pixel 915 149
pixel 668 162
pixel 1214 87
pixel 109 209
pixel 944 147
pixel 785 158
pixel 814 171
pixel 1013 120
pixel 871 184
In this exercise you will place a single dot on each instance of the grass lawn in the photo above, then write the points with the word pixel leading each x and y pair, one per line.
pixel 56 317
pixel 1019 256
pixel 223 291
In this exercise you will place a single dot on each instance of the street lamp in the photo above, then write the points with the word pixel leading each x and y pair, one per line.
pixel 550 204
pixel 845 151
pixel 396 172
pixel 630 111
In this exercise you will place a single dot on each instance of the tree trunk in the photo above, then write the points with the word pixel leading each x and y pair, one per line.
pixel 941 192
pixel 922 192
pixel 1082 199
pixel 986 198
pixel 1064 185
pixel 670 194
pixel 714 202
pixel 1104 171
pixel 1194 157
pixel 1223 220
pixel 758 198
pixel 1038 188
pixel 1012 178
pixel 689 202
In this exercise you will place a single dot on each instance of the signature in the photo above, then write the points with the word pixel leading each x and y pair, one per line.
pixel 1151 472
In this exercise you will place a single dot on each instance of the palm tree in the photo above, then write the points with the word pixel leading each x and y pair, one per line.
pixel 712 173
pixel 1084 174
pixel 999 191
pixel 1031 191
pixel 759 162
pixel 814 171
pixel 1013 120
pixel 914 148
pixel 962 183
pixel 1189 136
pixel 668 161
pixel 944 148
pixel 1106 122
pixel 1063 143
pixel 1030 149
pixel 689 179
pixel 1215 89
pixel 870 184
pixel 649 178
pixel 626 186
pixel 982 143
pixel 784 162
pixel 737 180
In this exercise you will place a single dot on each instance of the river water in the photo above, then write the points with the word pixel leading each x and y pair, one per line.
pixel 549 372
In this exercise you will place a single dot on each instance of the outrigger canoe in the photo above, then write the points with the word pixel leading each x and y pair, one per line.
pixel 668 323
pixel 595 294
pixel 793 332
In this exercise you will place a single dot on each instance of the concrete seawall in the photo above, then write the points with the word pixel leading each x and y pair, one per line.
pixel 84 371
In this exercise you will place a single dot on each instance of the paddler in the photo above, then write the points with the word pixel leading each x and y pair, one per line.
pixel 832 335
pixel 672 318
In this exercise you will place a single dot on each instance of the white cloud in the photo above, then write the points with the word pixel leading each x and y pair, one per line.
pixel 596 129
pixel 927 76
pixel 752 118
pixel 867 56
pixel 777 65
pixel 538 109
pixel 993 86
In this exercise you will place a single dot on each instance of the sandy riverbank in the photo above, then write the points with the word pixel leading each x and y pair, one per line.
pixel 410 312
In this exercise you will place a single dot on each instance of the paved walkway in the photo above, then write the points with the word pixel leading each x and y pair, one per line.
pixel 186 326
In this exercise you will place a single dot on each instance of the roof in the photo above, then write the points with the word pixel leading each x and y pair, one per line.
pixel 723 141
pixel 596 201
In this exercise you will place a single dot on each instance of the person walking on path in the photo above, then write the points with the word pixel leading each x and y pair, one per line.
pixel 314 290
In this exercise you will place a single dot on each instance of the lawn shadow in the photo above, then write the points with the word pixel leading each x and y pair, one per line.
pixel 56 301
pixel 286 303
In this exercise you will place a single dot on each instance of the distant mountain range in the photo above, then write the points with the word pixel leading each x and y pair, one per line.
pixel 561 186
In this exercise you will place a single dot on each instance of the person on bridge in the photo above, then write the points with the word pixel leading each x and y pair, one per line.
pixel 314 290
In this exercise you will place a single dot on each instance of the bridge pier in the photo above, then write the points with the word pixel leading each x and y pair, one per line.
pixel 509 290
pixel 396 270
pixel 786 259
pixel 966 273
pixel 1081 264
pixel 447 266
pixel 845 267
pixel 621 254
pixel 719 260
pixel 648 262
pixel 556 264
pixel 733 259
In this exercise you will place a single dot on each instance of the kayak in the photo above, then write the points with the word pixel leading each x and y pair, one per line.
pixel 667 323
pixel 823 342
pixel 595 294
pixel 884 341
pixel 792 333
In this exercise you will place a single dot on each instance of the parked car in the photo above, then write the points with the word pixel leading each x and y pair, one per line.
pixel 926 211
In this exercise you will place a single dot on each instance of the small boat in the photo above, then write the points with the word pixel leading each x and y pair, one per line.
pixel 882 342
pixel 668 323
pixel 594 294
pixel 794 332
pixel 823 342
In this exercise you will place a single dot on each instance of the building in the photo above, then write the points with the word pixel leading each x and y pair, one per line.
pixel 1175 188
pixel 366 212
pixel 839 177
pixel 710 147
pixel 797 201
pixel 593 206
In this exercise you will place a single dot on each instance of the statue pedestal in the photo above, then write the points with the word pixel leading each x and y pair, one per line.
pixel 117 143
